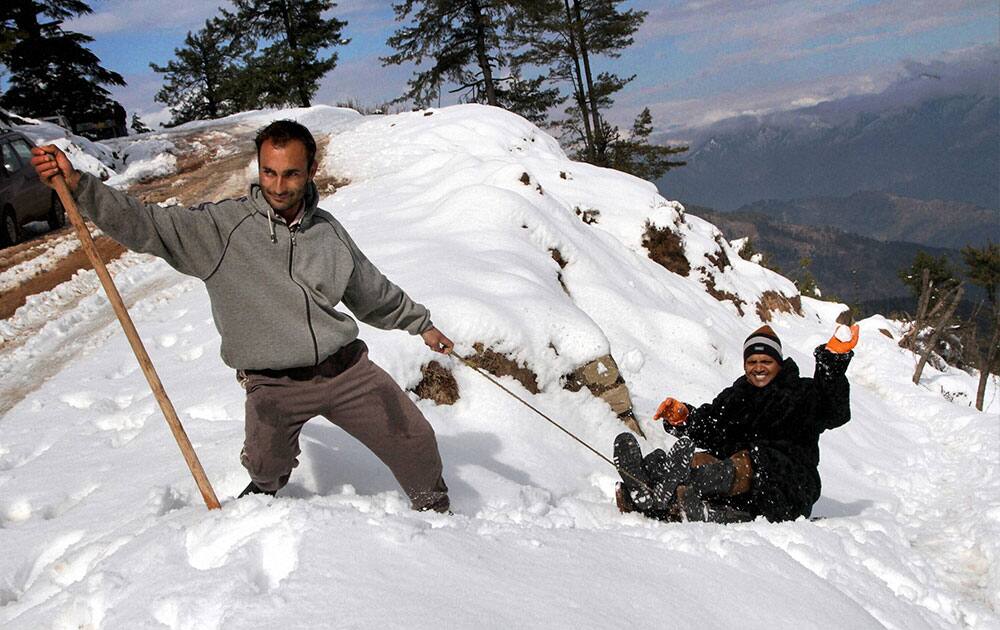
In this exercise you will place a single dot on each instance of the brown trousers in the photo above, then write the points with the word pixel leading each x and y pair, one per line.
pixel 356 395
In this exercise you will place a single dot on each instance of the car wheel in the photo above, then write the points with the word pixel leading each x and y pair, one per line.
pixel 57 215
pixel 11 232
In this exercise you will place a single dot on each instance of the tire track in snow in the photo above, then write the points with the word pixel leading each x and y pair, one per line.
pixel 57 326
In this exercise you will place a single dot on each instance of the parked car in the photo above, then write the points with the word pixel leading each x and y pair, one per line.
pixel 23 197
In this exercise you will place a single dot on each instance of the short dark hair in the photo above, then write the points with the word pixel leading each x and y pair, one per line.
pixel 281 131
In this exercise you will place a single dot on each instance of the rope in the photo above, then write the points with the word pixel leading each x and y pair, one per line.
pixel 593 450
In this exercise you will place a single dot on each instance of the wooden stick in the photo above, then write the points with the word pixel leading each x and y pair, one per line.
pixel 145 363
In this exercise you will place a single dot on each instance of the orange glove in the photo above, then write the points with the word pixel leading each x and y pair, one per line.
pixel 673 411
pixel 838 346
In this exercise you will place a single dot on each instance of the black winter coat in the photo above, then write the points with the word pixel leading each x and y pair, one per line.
pixel 780 426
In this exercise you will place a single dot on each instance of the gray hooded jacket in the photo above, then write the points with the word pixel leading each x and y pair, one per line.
pixel 274 289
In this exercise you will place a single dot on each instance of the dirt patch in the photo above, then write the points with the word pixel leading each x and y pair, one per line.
pixel 438 384
pixel 200 177
pixel 666 249
pixel 772 301
pixel 723 296
pixel 14 298
pixel 329 184
pixel 557 256
pixel 588 216
pixel 886 333
pixel 27 250
pixel 500 365
pixel 720 259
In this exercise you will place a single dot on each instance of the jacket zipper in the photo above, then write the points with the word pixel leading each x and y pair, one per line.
pixel 305 295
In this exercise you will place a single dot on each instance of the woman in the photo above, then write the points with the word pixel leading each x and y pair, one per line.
pixel 759 441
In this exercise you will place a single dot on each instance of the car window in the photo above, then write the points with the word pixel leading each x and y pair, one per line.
pixel 10 162
pixel 23 150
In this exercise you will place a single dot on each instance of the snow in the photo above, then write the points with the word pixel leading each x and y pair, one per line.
pixel 146 159
pixel 102 526
pixel 86 155
pixel 58 248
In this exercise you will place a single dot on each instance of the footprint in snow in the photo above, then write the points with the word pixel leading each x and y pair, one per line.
pixel 124 370
pixel 124 425
pixel 191 354
pixel 260 535
pixel 166 341
pixel 13 459
pixel 211 412
pixel 164 500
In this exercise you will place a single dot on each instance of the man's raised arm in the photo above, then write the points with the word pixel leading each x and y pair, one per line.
pixel 189 239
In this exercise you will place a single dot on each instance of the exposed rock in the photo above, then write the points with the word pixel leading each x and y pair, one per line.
pixel 666 248
pixel 500 365
pixel 588 216
pixel 723 296
pixel 603 379
pixel 438 384
pixel 772 301
pixel 720 259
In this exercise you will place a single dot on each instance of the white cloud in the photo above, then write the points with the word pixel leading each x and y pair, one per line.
pixel 114 16
pixel 766 32
pixel 966 71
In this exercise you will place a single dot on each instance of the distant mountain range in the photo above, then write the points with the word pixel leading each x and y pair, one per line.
pixel 942 148
pixel 933 133
pixel 887 217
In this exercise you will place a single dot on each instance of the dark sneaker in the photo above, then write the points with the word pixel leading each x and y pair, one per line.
pixel 669 470
pixel 628 461
pixel 253 489
pixel 653 463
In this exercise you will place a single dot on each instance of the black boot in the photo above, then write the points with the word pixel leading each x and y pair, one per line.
pixel 628 461
pixel 253 489
pixel 714 480
pixel 666 471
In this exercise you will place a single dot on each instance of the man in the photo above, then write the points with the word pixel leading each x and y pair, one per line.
pixel 276 266
pixel 760 439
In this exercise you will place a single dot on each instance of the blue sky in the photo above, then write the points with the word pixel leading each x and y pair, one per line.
pixel 696 61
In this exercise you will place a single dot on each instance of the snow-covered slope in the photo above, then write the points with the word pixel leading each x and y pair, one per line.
pixel 463 207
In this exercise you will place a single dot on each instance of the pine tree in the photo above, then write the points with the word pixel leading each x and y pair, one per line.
pixel 806 281
pixel 983 268
pixel 564 36
pixel 287 71
pixel 465 45
pixel 203 79
pixel 940 276
pixel 528 97
pixel 51 70
pixel 460 37
pixel 634 154
pixel 138 126
pixel 938 294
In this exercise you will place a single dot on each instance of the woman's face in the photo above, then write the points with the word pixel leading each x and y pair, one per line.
pixel 761 369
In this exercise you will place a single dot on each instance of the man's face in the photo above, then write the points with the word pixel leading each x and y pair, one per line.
pixel 284 174
pixel 761 369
